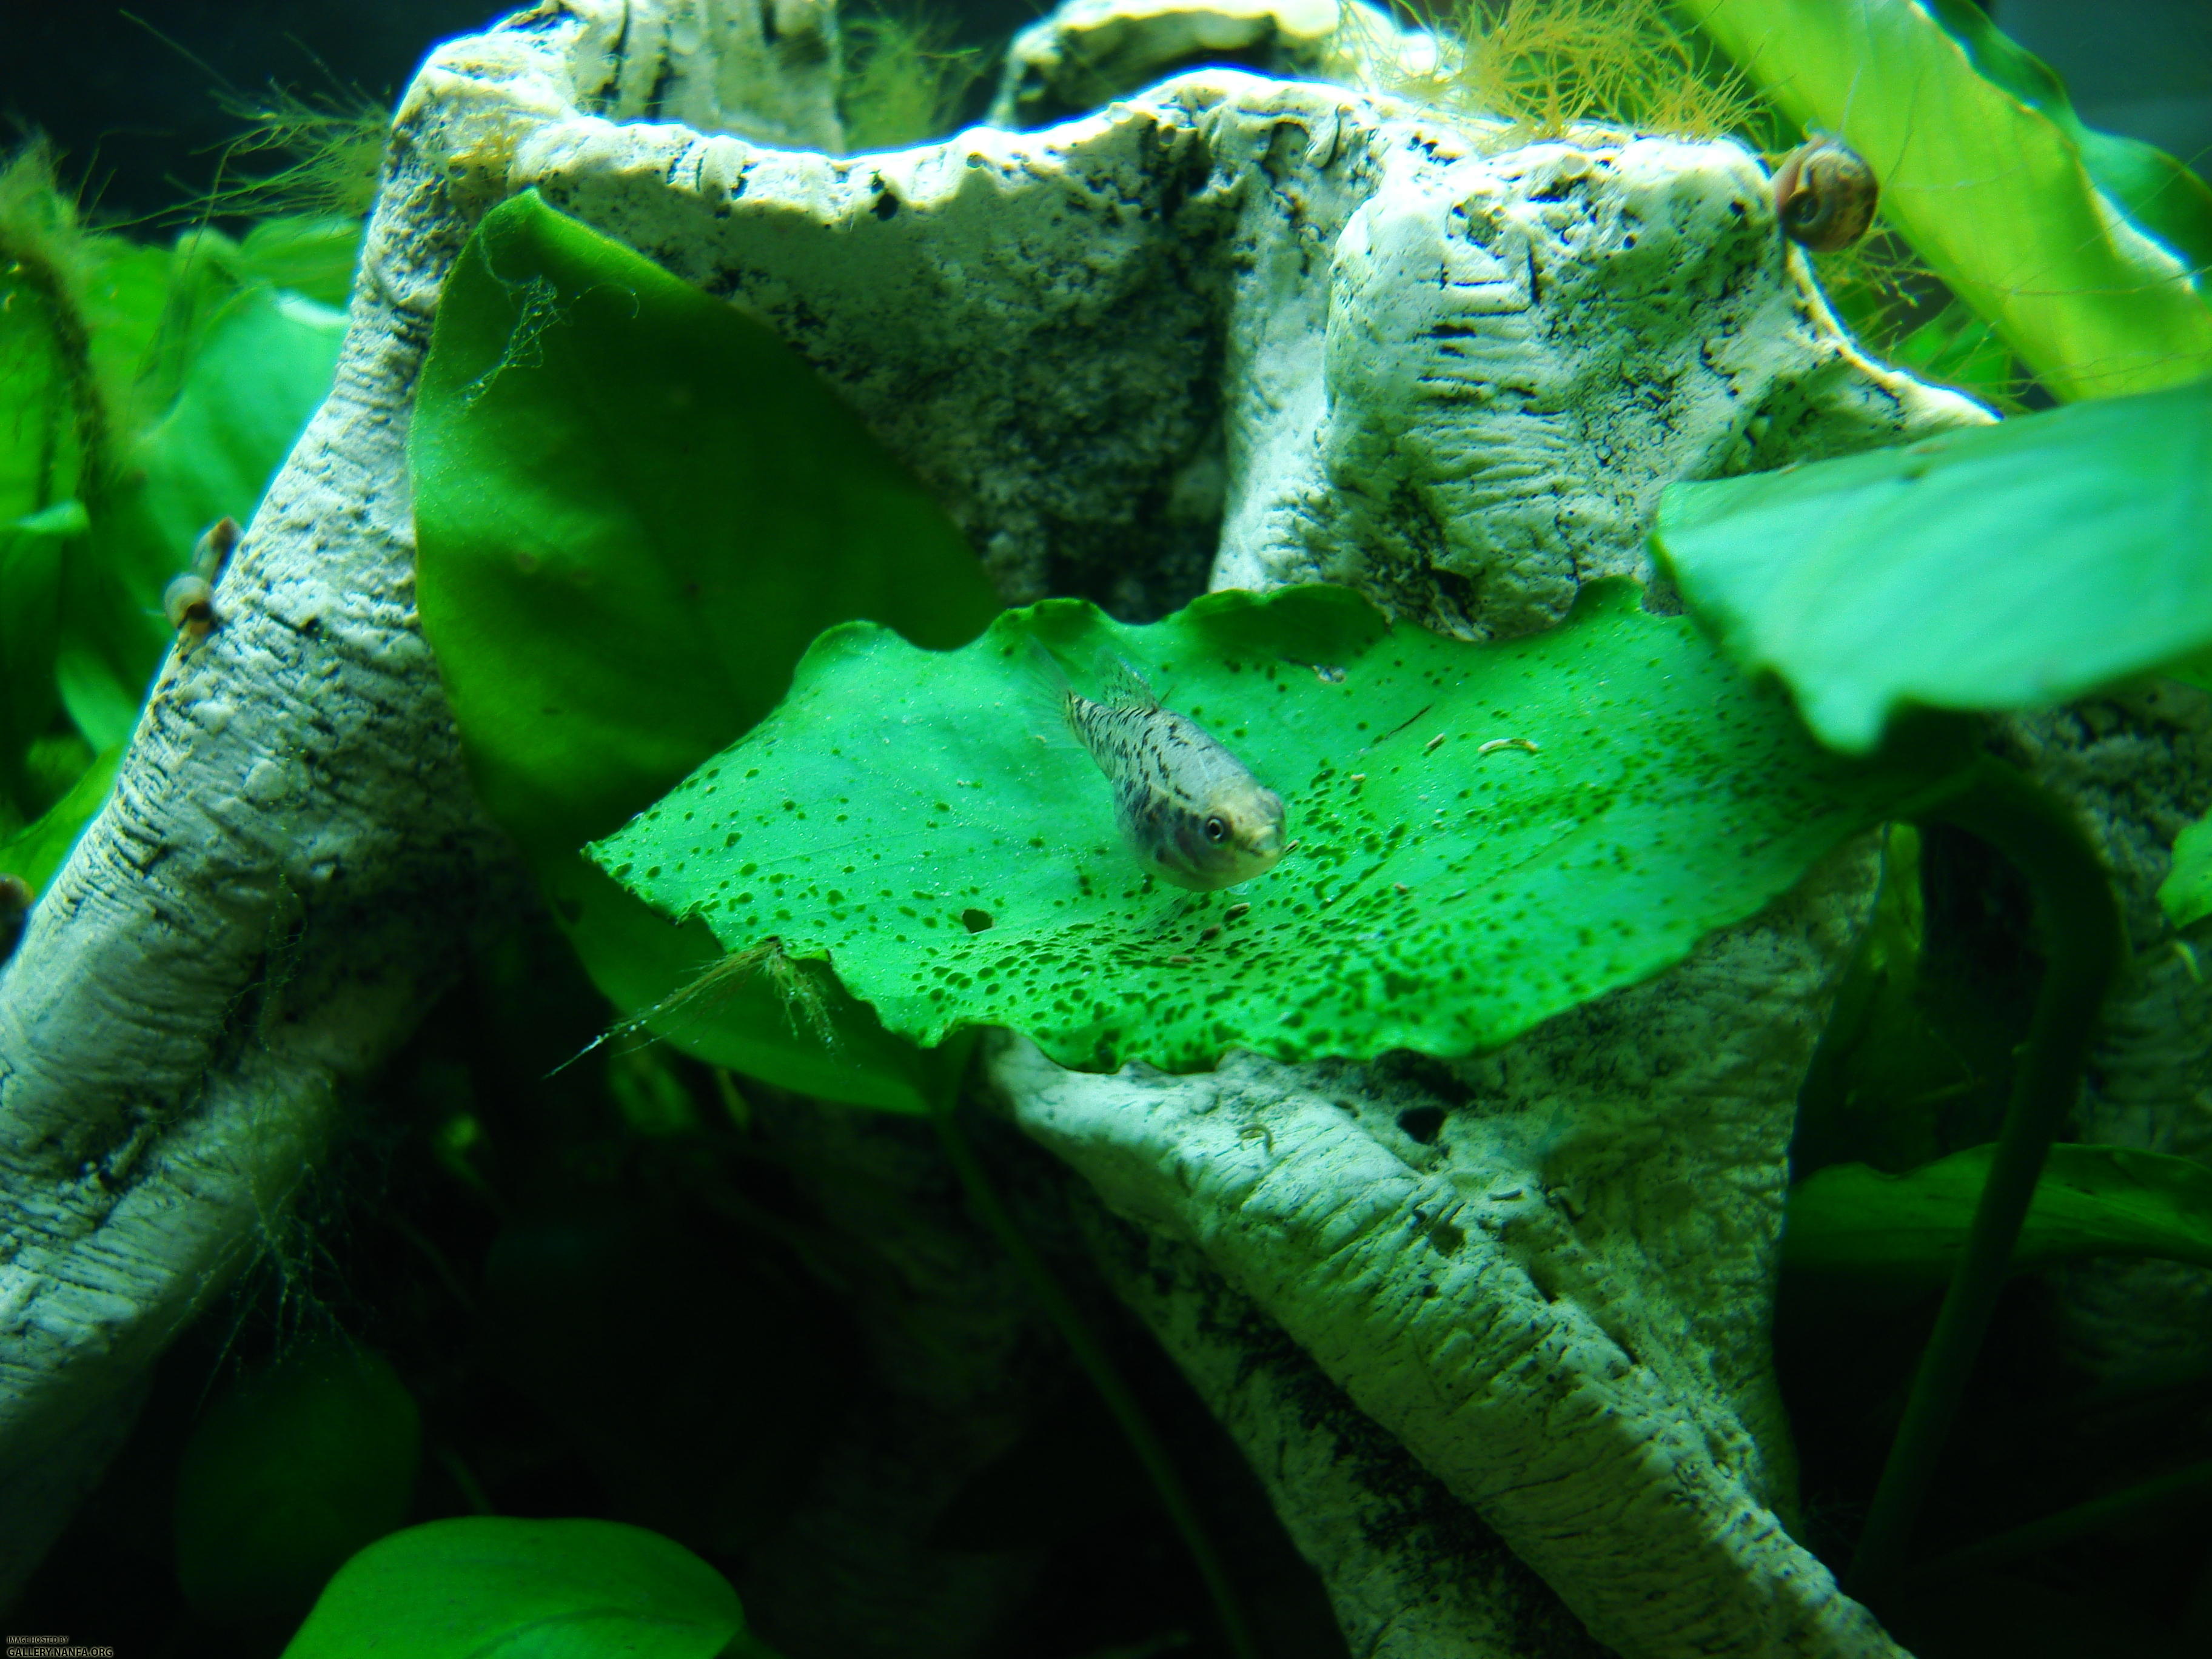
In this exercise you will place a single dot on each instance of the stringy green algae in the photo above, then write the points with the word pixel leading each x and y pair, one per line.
pixel 1485 834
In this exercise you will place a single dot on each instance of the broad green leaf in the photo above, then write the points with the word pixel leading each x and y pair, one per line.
pixel 2185 895
pixel 1993 193
pixel 483 1587
pixel 126 296
pixel 1906 1231
pixel 792 1025
pixel 289 1472
pixel 635 508
pixel 262 372
pixel 37 850
pixel 2157 193
pixel 1486 835
pixel 1997 567
pixel 314 255
pixel 33 551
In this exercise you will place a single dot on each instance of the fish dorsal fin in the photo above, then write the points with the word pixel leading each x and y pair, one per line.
pixel 1122 685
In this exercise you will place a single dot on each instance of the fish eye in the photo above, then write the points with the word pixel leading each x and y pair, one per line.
pixel 1216 829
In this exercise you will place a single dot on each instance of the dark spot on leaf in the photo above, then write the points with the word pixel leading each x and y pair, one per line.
pixel 974 921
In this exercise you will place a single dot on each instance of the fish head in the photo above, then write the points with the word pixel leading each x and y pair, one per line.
pixel 1234 834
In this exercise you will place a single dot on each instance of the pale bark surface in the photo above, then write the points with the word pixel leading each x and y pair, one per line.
pixel 1555 1294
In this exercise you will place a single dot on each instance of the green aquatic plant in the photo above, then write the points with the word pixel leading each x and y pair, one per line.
pixel 2080 249
pixel 905 76
pixel 450 1588
pixel 604 621
pixel 152 389
pixel 1485 835
pixel 654 548
pixel 331 146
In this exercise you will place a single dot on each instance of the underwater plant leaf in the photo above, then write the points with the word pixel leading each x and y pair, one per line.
pixel 37 850
pixel 312 255
pixel 126 296
pixel 1485 834
pixel 1997 567
pixel 259 375
pixel 2185 895
pixel 2157 193
pixel 788 1023
pixel 33 551
pixel 1993 192
pixel 636 507
pixel 485 1587
pixel 250 391
pixel 290 1470
pixel 1906 1231
pixel 37 416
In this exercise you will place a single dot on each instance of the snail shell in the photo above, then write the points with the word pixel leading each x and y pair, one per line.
pixel 189 604
pixel 1825 194
pixel 214 546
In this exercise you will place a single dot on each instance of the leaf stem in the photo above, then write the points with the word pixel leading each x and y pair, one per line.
pixel 2085 946
pixel 1090 1356
pixel 2191 1482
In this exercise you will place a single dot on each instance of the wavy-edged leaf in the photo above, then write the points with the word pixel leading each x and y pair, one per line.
pixel 1486 835
pixel 636 506
pixel 1997 567
pixel 484 1587
pixel 1905 1232
pixel 1993 192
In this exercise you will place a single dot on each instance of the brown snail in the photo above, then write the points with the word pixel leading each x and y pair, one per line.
pixel 188 601
pixel 1825 194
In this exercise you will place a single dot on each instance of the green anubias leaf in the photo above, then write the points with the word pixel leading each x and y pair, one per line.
pixel 314 255
pixel 2157 193
pixel 1996 185
pixel 1903 1233
pixel 36 851
pixel 290 1470
pixel 2185 895
pixel 483 1587
pixel 1997 567
pixel 636 507
pixel 1485 834
pixel 33 552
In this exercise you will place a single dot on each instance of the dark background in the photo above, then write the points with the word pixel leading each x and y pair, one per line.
pixel 140 122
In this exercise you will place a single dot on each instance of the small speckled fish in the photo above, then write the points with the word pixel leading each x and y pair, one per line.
pixel 1191 812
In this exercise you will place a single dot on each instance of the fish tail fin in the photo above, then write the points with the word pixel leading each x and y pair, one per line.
pixel 1049 687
